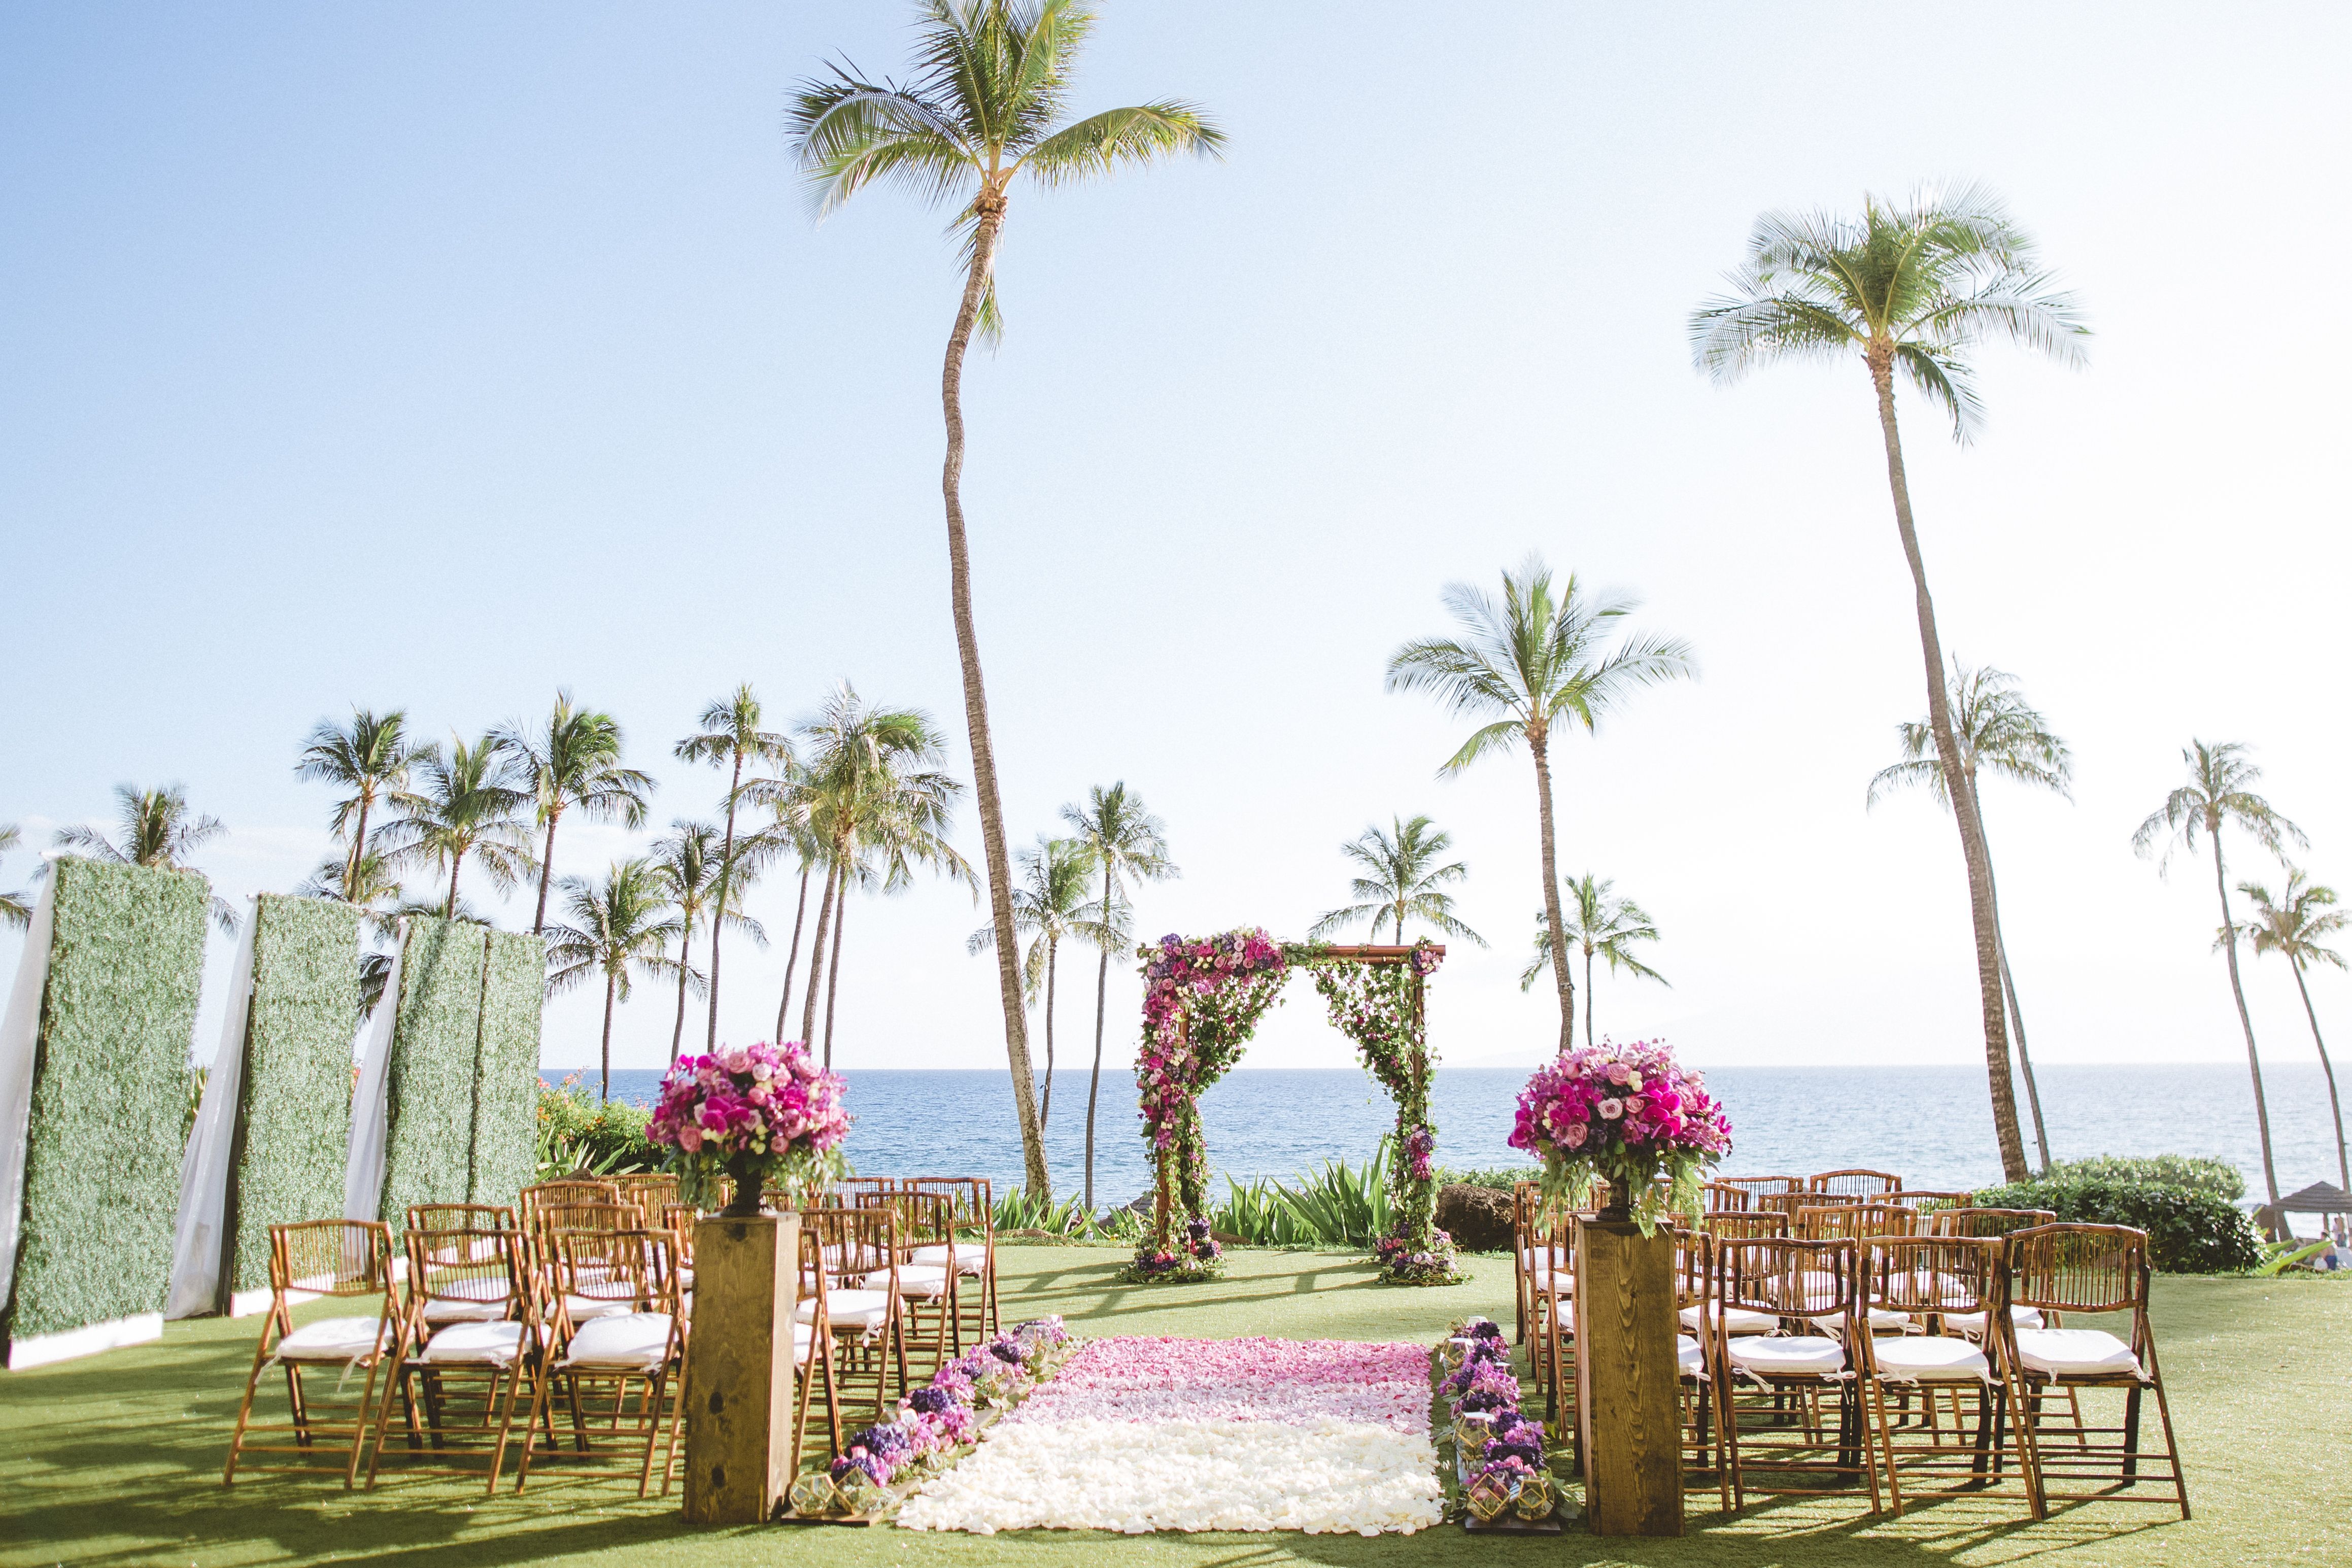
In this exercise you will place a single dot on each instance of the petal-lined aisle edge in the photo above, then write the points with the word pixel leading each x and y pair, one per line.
pixel 1139 1435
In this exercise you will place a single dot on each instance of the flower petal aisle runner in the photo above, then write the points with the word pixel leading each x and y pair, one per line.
pixel 1136 1434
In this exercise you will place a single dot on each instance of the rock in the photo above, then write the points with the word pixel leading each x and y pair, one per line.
pixel 1478 1218
pixel 1143 1204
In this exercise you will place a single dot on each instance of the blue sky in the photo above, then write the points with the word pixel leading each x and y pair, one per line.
pixel 436 356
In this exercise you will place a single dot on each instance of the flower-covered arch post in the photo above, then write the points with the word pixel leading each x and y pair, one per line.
pixel 1203 998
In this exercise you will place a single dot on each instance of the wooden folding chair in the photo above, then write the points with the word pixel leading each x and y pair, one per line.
pixel 1987 1222
pixel 1851 1222
pixel 813 1346
pixel 1728 1225
pixel 926 1291
pixel 1757 1187
pixel 347 1259
pixel 1857 1183
pixel 1727 1197
pixel 1774 1385
pixel 2100 1268
pixel 858 1249
pixel 460 1217
pixel 1550 1267
pixel 975 1252
pixel 1526 1199
pixel 1694 1364
pixel 617 1366
pixel 570 1190
pixel 1932 1278
pixel 469 1340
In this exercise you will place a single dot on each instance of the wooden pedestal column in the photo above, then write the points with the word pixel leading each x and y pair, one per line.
pixel 739 1369
pixel 1628 1390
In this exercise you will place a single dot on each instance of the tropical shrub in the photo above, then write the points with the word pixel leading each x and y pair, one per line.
pixel 2192 1226
pixel 577 1131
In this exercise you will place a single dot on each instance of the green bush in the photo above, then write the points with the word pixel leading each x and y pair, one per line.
pixel 2191 1228
pixel 1337 1204
pixel 1500 1179
pixel 577 1131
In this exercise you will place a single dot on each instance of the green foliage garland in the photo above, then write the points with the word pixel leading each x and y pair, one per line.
pixel 108 1096
pixel 294 1115
pixel 506 1081
pixel 428 1142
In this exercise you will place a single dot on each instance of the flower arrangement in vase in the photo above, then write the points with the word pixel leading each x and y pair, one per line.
pixel 1627 1114
pixel 758 1115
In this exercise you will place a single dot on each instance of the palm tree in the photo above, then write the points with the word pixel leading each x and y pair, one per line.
pixel 469 804
pixel 574 759
pixel 987 105
pixel 621 926
pixel 1402 878
pixel 1599 924
pixel 794 831
pixel 730 735
pixel 157 829
pixel 1540 660
pixel 1909 286
pixel 2297 927
pixel 1995 729
pixel 372 759
pixel 2220 791
pixel 687 862
pixel 1051 906
pixel 15 908
pixel 1126 840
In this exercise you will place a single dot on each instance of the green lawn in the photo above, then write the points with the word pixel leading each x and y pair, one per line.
pixel 117 1460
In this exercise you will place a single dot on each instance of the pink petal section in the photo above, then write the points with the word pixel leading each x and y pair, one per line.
pixel 1294 1382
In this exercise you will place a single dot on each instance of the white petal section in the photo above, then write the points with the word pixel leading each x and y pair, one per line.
pixel 1326 1476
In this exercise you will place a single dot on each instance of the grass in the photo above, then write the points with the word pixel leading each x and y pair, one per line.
pixel 117 1460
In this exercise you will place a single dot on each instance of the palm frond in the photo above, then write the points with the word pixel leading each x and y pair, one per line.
pixel 1117 138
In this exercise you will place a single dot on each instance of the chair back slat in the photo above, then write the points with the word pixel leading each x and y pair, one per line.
pixel 1857 1182
pixel 1987 1222
pixel 571 1190
pixel 330 1256
pixel 2079 1268
pixel 1756 1225
pixel 480 1269
pixel 1933 1274
pixel 1757 1185
pixel 1786 1278
pixel 1694 1268
pixel 974 1201
pixel 1852 1220
pixel 460 1217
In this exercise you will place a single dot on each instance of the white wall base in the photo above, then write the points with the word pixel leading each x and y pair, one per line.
pixel 40 1349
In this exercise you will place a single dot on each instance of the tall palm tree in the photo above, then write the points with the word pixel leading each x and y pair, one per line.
pixel 371 759
pixel 620 926
pixel 1599 924
pixel 1997 729
pixel 468 805
pixel 15 908
pixel 1909 286
pixel 1400 876
pixel 1050 907
pixel 1127 841
pixel 794 831
pixel 687 862
pixel 2296 926
pixel 729 736
pixel 156 829
pixel 1539 660
pixel 987 105
pixel 574 759
pixel 2221 792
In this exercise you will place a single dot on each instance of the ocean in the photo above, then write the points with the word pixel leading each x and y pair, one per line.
pixel 1932 1124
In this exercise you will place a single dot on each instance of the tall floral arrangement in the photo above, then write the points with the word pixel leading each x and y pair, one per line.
pixel 759 1113
pixel 1627 1114
pixel 1203 999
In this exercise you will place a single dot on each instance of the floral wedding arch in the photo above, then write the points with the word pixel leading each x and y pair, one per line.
pixel 1203 999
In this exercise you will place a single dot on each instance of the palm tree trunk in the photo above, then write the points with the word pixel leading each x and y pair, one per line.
pixel 358 849
pixel 719 910
pixel 1993 1005
pixel 990 206
pixel 1557 932
pixel 684 950
pixel 605 1083
pixel 2009 985
pixel 1094 1083
pixel 456 864
pixel 546 875
pixel 2245 1020
pixel 832 980
pixel 1589 1037
pixel 2343 1165
pixel 1045 1105
pixel 816 955
pixel 800 913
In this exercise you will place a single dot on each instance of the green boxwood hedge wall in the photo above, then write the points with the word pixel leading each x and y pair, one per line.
pixel 295 1120
pixel 506 1083
pixel 428 1143
pixel 108 1096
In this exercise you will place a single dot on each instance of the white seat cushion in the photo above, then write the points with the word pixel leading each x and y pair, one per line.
pixel 1548 1283
pixel 1689 1360
pixel 804 1343
pixel 478 1300
pixel 2076 1353
pixel 971 1260
pixel 1929 1359
pixel 635 1341
pixel 1739 1320
pixel 1799 1355
pixel 588 1309
pixel 920 1280
pixel 474 1344
pixel 866 1310
pixel 1882 1322
pixel 1972 1323
pixel 335 1339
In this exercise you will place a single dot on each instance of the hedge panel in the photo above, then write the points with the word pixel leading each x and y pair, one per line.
pixel 506 1085
pixel 294 1120
pixel 428 1140
pixel 110 1094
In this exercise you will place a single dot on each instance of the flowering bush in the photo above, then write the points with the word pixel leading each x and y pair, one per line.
pixel 1427 1262
pixel 759 1112
pixel 1628 1114
pixel 1197 1257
